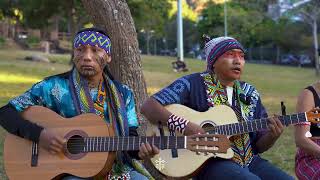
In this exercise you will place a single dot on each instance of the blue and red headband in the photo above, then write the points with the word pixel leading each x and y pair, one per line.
pixel 217 47
pixel 93 38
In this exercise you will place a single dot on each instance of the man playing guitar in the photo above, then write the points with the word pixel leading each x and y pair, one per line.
pixel 220 85
pixel 84 89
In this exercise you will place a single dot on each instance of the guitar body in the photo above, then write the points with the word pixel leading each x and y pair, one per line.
pixel 17 151
pixel 191 161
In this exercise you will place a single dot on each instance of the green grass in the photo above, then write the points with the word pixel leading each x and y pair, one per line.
pixel 275 84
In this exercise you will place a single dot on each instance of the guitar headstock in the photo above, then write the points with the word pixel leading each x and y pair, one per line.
pixel 208 143
pixel 313 116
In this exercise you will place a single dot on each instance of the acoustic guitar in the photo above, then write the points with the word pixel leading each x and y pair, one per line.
pixel 90 147
pixel 217 120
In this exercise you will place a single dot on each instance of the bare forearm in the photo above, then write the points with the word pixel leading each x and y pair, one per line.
pixel 154 111
pixel 265 142
pixel 308 146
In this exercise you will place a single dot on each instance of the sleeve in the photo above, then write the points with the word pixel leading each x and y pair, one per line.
pixel 36 95
pixel 260 112
pixel 11 121
pixel 176 93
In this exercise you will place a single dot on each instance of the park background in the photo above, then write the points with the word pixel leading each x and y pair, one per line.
pixel 281 38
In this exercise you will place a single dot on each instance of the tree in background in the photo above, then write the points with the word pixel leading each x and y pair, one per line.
pixel 115 18
pixel 310 13
pixel 40 14
pixel 149 17
pixel 10 16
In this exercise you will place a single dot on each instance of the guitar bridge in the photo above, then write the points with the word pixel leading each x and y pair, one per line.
pixel 34 155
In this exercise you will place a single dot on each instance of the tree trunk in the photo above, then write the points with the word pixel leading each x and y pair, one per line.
pixel 115 18
pixel 72 19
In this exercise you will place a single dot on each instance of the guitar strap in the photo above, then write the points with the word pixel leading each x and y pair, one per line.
pixel 243 154
pixel 216 95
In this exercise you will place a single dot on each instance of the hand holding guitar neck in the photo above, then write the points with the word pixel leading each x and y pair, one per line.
pixel 147 151
pixel 275 127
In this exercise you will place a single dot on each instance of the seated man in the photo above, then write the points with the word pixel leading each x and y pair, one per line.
pixel 83 89
pixel 220 84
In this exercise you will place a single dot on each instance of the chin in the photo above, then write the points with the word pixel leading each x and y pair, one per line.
pixel 88 73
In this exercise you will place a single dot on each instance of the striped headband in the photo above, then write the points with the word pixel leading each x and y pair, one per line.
pixel 93 38
pixel 217 47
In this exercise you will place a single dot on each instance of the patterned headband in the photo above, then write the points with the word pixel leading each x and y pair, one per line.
pixel 217 47
pixel 93 38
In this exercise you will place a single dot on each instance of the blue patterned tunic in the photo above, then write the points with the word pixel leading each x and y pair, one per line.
pixel 190 91
pixel 55 94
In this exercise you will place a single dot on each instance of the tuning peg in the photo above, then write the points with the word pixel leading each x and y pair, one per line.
pixel 198 153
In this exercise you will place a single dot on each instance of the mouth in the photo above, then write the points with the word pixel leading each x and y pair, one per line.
pixel 236 69
pixel 86 67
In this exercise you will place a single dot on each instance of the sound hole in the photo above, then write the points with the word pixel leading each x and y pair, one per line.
pixel 75 144
pixel 208 127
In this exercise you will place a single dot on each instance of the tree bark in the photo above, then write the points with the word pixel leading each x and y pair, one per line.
pixel 115 18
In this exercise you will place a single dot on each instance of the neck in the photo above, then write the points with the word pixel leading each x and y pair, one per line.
pixel 225 82
pixel 93 81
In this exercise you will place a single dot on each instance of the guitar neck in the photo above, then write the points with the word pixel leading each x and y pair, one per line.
pixel 255 125
pixel 130 143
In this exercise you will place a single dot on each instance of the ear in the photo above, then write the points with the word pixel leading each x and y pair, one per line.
pixel 108 58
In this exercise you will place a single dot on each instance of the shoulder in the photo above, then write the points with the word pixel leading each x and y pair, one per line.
pixel 50 81
pixel 248 89
pixel 306 101
pixel 305 95
pixel 194 76
pixel 188 80
pixel 58 77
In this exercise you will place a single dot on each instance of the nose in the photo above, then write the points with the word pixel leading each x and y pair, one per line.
pixel 238 58
pixel 87 55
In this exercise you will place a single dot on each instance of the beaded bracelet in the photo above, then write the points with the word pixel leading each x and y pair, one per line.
pixel 176 123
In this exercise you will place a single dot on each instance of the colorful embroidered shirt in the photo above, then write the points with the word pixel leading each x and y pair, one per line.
pixel 197 91
pixel 54 93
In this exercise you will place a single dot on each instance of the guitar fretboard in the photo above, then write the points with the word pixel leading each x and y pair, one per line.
pixel 255 125
pixel 120 143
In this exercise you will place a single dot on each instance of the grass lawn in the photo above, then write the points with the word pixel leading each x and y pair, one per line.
pixel 275 84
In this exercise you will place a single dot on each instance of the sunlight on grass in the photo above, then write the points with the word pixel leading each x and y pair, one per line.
pixel 152 90
pixel 16 79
